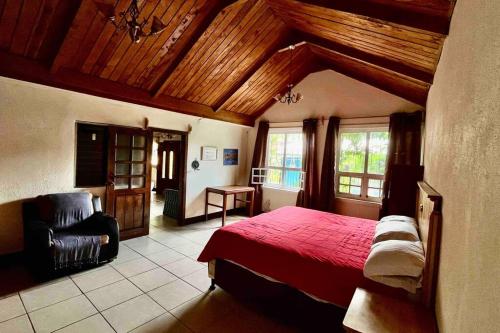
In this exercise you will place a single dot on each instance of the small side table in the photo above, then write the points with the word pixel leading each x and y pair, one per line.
pixel 225 191
pixel 376 313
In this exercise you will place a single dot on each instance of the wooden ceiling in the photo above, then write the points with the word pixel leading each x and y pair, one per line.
pixel 223 59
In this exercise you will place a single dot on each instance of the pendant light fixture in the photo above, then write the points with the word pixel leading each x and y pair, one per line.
pixel 129 20
pixel 289 97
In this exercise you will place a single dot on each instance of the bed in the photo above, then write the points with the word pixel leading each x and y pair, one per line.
pixel 303 251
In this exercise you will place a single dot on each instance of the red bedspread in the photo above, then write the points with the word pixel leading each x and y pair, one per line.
pixel 319 253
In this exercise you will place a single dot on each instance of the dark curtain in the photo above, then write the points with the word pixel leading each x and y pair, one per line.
pixel 259 161
pixel 326 200
pixel 405 135
pixel 307 197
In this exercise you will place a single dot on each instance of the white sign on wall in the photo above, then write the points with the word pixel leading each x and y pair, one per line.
pixel 208 153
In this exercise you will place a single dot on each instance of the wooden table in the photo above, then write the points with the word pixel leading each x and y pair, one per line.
pixel 229 190
pixel 376 313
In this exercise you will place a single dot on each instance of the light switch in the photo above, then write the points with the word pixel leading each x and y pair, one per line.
pixel 94 136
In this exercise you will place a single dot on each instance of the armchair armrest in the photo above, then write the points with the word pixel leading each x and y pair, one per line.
pixel 105 225
pixel 39 234
pixel 101 223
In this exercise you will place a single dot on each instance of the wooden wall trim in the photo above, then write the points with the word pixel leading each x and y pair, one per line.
pixel 20 68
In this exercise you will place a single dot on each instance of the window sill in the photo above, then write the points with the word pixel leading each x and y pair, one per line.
pixel 285 189
pixel 359 201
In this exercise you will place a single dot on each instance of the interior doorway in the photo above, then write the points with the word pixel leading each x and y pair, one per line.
pixel 168 177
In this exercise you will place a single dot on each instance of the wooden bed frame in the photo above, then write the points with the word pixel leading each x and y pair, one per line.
pixel 245 284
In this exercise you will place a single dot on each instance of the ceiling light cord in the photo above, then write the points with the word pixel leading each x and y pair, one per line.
pixel 289 97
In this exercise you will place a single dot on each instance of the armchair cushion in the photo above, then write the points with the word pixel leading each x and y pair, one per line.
pixel 73 250
pixel 64 210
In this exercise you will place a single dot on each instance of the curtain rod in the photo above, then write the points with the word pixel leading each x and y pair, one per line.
pixel 323 120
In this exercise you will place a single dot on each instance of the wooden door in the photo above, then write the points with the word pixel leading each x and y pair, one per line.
pixel 168 171
pixel 129 180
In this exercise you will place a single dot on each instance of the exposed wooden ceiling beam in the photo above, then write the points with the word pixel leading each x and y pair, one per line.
pixel 290 39
pixel 20 68
pixel 419 74
pixel 398 84
pixel 74 36
pixel 202 27
pixel 430 15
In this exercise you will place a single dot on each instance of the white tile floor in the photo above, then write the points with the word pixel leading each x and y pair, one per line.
pixel 155 285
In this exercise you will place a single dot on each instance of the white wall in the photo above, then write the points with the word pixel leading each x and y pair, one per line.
pixel 462 162
pixel 326 94
pixel 37 146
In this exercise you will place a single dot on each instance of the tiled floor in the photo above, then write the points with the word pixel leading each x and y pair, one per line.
pixel 155 285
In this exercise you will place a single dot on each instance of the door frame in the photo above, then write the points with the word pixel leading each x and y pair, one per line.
pixel 183 166
pixel 110 204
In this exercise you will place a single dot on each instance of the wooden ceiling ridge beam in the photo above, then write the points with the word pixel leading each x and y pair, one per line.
pixel 430 15
pixel 419 74
pixel 288 40
pixel 20 68
pixel 185 50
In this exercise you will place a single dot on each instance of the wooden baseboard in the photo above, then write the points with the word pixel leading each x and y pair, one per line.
pixel 201 218
pixel 11 258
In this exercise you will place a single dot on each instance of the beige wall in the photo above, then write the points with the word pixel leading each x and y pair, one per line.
pixel 37 135
pixel 462 162
pixel 326 94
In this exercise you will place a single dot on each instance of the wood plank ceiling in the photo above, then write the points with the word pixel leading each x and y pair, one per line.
pixel 223 59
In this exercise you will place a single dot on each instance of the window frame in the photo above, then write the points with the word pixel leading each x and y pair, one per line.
pixel 365 176
pixel 283 168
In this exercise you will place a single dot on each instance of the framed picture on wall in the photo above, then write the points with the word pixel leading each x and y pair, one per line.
pixel 230 157
pixel 208 153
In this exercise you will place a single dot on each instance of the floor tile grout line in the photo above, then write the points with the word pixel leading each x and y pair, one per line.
pixel 24 314
pixel 95 307
pixel 45 284
pixel 46 306
pixel 82 294
pixel 128 299
pixel 104 285
pixel 79 320
pixel 184 325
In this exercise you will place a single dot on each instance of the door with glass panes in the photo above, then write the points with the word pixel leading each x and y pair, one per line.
pixel 129 180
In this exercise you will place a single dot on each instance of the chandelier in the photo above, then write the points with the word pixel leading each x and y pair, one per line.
pixel 289 97
pixel 129 20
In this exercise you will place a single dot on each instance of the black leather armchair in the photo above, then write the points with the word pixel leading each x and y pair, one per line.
pixel 67 231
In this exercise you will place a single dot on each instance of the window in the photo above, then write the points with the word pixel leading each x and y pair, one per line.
pixel 91 155
pixel 284 158
pixel 361 160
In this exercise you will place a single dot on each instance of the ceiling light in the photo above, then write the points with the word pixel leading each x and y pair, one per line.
pixel 289 97
pixel 129 21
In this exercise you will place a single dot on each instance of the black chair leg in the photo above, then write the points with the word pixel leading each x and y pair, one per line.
pixel 212 285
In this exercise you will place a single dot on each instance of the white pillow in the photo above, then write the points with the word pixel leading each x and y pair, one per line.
pixel 396 231
pixel 395 258
pixel 405 282
pixel 398 218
